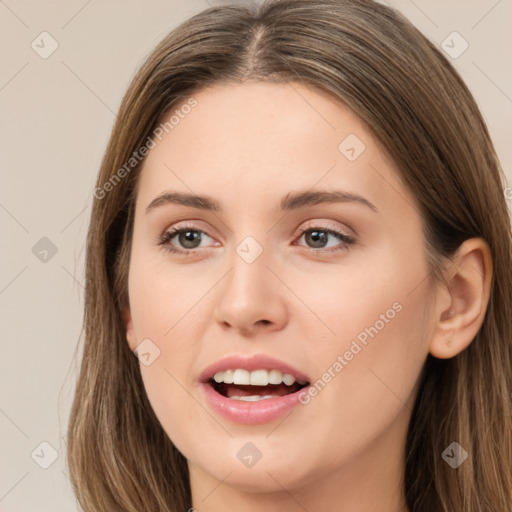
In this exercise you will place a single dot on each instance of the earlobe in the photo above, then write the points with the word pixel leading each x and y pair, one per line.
pixel 130 335
pixel 467 294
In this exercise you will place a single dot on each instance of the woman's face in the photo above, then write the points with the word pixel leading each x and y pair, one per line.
pixel 335 291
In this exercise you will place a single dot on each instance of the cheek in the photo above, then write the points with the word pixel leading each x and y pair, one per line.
pixel 162 297
pixel 368 370
pixel 164 312
pixel 167 381
pixel 172 401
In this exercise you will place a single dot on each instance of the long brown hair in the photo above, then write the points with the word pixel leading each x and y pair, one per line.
pixel 373 60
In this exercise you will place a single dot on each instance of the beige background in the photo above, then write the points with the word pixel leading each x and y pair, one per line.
pixel 56 116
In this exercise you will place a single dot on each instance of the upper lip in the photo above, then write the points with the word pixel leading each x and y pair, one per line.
pixel 250 363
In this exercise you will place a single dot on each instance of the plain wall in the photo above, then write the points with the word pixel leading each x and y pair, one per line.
pixel 56 116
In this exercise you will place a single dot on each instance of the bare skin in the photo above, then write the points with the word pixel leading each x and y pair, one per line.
pixel 247 146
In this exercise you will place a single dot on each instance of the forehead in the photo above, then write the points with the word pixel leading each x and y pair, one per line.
pixel 258 139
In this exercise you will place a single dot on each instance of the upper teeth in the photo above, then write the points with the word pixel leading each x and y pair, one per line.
pixel 254 378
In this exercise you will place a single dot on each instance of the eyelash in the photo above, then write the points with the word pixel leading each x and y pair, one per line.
pixel 171 233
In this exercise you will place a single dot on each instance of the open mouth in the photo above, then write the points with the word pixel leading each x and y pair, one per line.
pixel 252 390
pixel 256 385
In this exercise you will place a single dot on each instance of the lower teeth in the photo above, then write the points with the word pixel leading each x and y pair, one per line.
pixel 254 398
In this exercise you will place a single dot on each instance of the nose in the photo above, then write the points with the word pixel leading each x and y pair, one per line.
pixel 251 298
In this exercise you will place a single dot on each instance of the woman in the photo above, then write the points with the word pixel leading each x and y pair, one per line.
pixel 299 229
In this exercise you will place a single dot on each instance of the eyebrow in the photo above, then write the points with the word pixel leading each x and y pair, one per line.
pixel 289 202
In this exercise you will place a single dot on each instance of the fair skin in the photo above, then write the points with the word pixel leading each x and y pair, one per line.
pixel 247 146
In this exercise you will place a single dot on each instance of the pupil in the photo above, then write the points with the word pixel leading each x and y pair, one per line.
pixel 189 236
pixel 316 237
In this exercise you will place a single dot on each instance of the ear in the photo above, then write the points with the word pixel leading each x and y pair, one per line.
pixel 462 303
pixel 130 334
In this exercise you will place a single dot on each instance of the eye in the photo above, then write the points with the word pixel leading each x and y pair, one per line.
pixel 318 237
pixel 188 236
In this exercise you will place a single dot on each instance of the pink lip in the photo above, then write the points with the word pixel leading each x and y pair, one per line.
pixel 247 413
pixel 255 362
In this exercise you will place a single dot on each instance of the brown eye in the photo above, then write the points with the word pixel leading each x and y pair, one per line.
pixel 188 238
pixel 317 238
pixel 182 240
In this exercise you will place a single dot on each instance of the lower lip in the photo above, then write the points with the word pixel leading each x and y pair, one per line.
pixel 250 413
